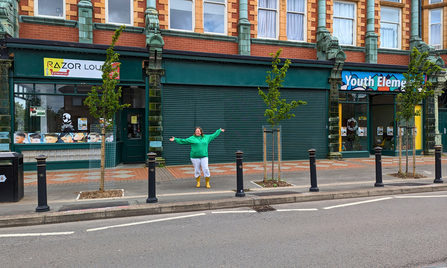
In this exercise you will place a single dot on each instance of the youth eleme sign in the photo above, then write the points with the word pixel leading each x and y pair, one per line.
pixel 369 81
pixel 75 68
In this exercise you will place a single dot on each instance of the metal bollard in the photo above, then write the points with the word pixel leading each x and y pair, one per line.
pixel 151 178
pixel 438 167
pixel 42 184
pixel 379 182
pixel 313 171
pixel 240 175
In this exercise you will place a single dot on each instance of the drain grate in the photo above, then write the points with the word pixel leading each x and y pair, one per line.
pixel 94 205
pixel 263 208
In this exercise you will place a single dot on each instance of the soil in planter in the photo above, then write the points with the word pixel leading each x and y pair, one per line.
pixel 99 194
pixel 273 183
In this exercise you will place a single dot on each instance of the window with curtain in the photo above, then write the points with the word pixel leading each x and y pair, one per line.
pixel 344 22
pixel 51 8
pixel 119 11
pixel 389 27
pixel 267 16
pixel 435 1
pixel 396 1
pixel 436 28
pixel 181 15
pixel 214 16
pixel 295 19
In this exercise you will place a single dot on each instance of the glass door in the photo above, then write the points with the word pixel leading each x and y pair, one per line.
pixel 134 132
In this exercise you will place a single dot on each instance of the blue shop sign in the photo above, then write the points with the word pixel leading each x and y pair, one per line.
pixel 372 81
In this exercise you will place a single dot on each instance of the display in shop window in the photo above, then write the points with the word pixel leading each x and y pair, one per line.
pixel 51 137
pixel 37 111
pixel 362 132
pixel 67 125
pixel 20 138
pixel 379 131
pixel 390 131
pixel 344 131
pixel 82 123
pixel 35 138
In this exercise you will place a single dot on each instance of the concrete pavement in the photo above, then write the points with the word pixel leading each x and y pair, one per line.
pixel 176 191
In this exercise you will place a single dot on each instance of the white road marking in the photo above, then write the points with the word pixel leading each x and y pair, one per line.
pixel 420 196
pixel 144 222
pixel 35 234
pixel 238 211
pixel 358 203
pixel 297 209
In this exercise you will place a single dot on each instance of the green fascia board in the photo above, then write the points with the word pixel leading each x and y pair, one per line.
pixel 204 36
pixel 271 42
pixel 30 64
pixel 51 146
pixel 373 67
pixel 114 27
pixel 48 21
pixel 393 51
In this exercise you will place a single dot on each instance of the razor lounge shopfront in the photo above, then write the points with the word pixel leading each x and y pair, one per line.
pixel 367 112
pixel 48 85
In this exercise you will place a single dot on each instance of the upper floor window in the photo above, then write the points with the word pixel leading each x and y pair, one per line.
pixel 267 17
pixel 119 11
pixel 181 15
pixel 295 19
pixel 344 22
pixel 389 27
pixel 435 1
pixel 397 1
pixel 52 8
pixel 436 28
pixel 214 16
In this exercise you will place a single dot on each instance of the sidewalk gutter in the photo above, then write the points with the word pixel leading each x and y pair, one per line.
pixel 152 209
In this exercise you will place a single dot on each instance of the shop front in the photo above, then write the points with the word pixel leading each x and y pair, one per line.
pixel 48 86
pixel 367 112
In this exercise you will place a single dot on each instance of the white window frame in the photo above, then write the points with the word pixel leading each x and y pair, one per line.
pixel 304 22
pixel 225 15
pixel 399 29
pixel 429 27
pixel 277 21
pixel 354 22
pixel 111 22
pixel 435 1
pixel 193 17
pixel 36 10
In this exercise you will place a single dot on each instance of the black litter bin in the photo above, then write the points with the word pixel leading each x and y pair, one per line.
pixel 11 177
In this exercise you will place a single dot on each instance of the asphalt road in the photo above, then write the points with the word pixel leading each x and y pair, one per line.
pixel 391 231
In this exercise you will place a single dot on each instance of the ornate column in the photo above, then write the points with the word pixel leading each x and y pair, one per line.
pixel 155 43
pixel 333 125
pixel 9 18
pixel 244 39
pixel 5 106
pixel 370 37
pixel 85 11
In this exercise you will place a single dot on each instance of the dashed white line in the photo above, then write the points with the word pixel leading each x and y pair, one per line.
pixel 421 196
pixel 358 203
pixel 35 234
pixel 144 222
pixel 228 212
pixel 297 209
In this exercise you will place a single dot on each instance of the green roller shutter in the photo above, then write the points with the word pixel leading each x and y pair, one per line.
pixel 241 112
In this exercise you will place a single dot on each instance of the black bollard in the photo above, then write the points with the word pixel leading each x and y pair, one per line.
pixel 42 184
pixel 240 175
pixel 151 178
pixel 438 170
pixel 379 182
pixel 313 171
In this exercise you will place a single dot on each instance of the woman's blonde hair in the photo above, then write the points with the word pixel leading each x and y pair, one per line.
pixel 201 131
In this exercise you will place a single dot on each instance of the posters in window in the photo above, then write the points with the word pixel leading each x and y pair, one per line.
pixel 36 111
pixel 344 131
pixel 51 137
pixel 390 131
pixel 20 138
pixel 82 123
pixel 362 132
pixel 35 138
pixel 380 131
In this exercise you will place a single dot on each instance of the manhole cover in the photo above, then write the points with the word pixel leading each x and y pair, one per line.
pixel 94 205
pixel 407 184
pixel 263 208
pixel 275 193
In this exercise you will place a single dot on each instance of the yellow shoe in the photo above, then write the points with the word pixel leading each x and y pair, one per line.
pixel 207 182
pixel 198 182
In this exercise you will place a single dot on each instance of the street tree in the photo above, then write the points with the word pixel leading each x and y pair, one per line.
pixel 417 89
pixel 277 109
pixel 103 101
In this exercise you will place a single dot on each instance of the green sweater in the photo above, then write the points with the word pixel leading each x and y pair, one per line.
pixel 199 144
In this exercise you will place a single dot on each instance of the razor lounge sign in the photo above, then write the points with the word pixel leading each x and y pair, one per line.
pixel 75 68
pixel 369 81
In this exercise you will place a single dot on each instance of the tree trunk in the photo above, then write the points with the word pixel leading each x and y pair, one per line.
pixel 265 155
pixel 103 158
pixel 279 155
pixel 273 154
pixel 414 151
pixel 400 148
pixel 406 150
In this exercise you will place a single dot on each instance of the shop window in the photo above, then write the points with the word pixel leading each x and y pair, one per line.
pixel 344 22
pixel 435 29
pixel 267 18
pixel 295 19
pixel 119 11
pixel 50 8
pixel 354 132
pixel 44 113
pixel 134 96
pixel 389 27
pixel 435 1
pixel 181 15
pixel 214 16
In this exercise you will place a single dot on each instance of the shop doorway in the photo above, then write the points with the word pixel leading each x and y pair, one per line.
pixel 442 125
pixel 133 135
pixel 383 125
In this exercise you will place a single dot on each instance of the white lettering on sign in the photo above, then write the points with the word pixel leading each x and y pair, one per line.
pixel 2 178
